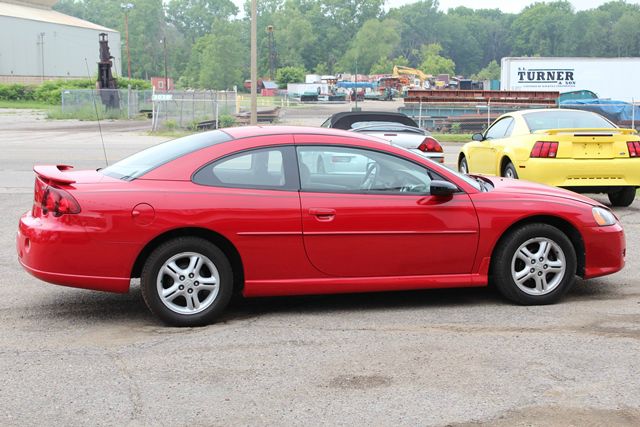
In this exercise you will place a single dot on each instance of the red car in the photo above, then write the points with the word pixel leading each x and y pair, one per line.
pixel 238 210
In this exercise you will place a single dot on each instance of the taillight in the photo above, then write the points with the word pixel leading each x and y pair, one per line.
pixel 38 191
pixel 55 200
pixel 430 145
pixel 634 148
pixel 544 149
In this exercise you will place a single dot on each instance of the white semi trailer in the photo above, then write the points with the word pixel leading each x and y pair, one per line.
pixel 609 78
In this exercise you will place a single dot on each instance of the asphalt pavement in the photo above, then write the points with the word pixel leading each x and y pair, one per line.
pixel 444 357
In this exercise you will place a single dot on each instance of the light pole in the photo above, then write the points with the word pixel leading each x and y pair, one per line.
pixel 254 64
pixel 41 43
pixel 126 7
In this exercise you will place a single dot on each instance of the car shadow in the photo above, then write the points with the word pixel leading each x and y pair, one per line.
pixel 101 307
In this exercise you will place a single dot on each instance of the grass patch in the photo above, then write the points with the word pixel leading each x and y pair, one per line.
pixel 29 105
pixel 452 137
pixel 87 113
pixel 172 133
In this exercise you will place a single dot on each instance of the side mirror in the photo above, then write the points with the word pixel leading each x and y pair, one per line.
pixel 443 188
pixel 477 137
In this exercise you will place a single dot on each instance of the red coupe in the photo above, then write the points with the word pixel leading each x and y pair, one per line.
pixel 240 210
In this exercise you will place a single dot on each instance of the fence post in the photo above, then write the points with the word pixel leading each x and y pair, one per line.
pixel 129 102
pixel 217 112
pixel 419 114
pixel 488 112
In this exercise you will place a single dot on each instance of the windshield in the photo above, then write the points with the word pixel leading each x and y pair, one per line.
pixel 138 164
pixel 468 179
pixel 385 127
pixel 559 119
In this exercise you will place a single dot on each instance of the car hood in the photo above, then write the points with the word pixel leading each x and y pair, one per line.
pixel 512 186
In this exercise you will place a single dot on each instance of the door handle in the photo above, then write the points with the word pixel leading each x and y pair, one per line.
pixel 323 214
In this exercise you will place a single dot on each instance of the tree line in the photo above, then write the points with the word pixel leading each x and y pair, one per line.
pixel 207 43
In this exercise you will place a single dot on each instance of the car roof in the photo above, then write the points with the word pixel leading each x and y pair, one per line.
pixel 345 119
pixel 252 131
pixel 539 110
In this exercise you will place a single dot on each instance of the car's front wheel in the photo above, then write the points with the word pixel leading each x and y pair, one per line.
pixel 187 281
pixel 622 198
pixel 534 264
pixel 463 166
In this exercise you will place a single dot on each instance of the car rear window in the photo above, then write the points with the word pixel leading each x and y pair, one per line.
pixel 558 119
pixel 138 164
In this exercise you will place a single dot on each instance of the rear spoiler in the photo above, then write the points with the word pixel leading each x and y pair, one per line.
pixel 56 174
pixel 606 131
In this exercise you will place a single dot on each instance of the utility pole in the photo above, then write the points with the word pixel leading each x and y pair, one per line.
pixel 254 64
pixel 127 7
pixel 166 79
pixel 272 52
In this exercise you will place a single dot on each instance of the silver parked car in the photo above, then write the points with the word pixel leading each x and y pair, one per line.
pixel 397 128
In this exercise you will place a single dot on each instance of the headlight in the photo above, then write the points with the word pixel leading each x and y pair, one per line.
pixel 603 216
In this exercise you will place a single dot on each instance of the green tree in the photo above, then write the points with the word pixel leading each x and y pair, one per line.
pixel 375 40
pixel 418 26
pixel 294 36
pixel 433 63
pixel 286 75
pixel 543 29
pixel 218 59
pixel 490 72
pixel 194 18
pixel 385 65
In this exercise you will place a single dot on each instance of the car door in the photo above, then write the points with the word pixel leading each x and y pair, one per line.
pixel 483 157
pixel 251 197
pixel 365 222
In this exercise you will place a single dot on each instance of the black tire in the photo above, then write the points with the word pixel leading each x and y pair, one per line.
pixel 508 263
pixel 463 166
pixel 509 171
pixel 623 197
pixel 209 264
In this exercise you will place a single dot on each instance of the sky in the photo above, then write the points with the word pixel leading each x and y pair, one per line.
pixel 506 6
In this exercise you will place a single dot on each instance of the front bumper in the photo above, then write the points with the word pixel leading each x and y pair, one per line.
pixel 605 250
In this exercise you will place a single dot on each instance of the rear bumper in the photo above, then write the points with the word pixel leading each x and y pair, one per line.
pixel 605 250
pixel 581 173
pixel 64 254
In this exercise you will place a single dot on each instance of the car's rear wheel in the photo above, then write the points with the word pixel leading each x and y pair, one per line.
pixel 463 166
pixel 623 197
pixel 534 264
pixel 187 281
pixel 509 171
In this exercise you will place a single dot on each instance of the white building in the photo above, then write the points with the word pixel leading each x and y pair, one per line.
pixel 38 43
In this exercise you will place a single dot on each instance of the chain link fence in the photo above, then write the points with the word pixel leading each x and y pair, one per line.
pixel 109 103
pixel 177 109
pixel 465 117
pixel 194 109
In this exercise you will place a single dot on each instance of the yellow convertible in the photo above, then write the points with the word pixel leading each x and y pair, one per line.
pixel 578 150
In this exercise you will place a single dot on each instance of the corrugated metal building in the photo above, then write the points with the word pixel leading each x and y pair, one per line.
pixel 38 43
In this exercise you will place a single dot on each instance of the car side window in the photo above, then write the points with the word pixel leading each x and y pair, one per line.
pixel 335 169
pixel 500 128
pixel 259 168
